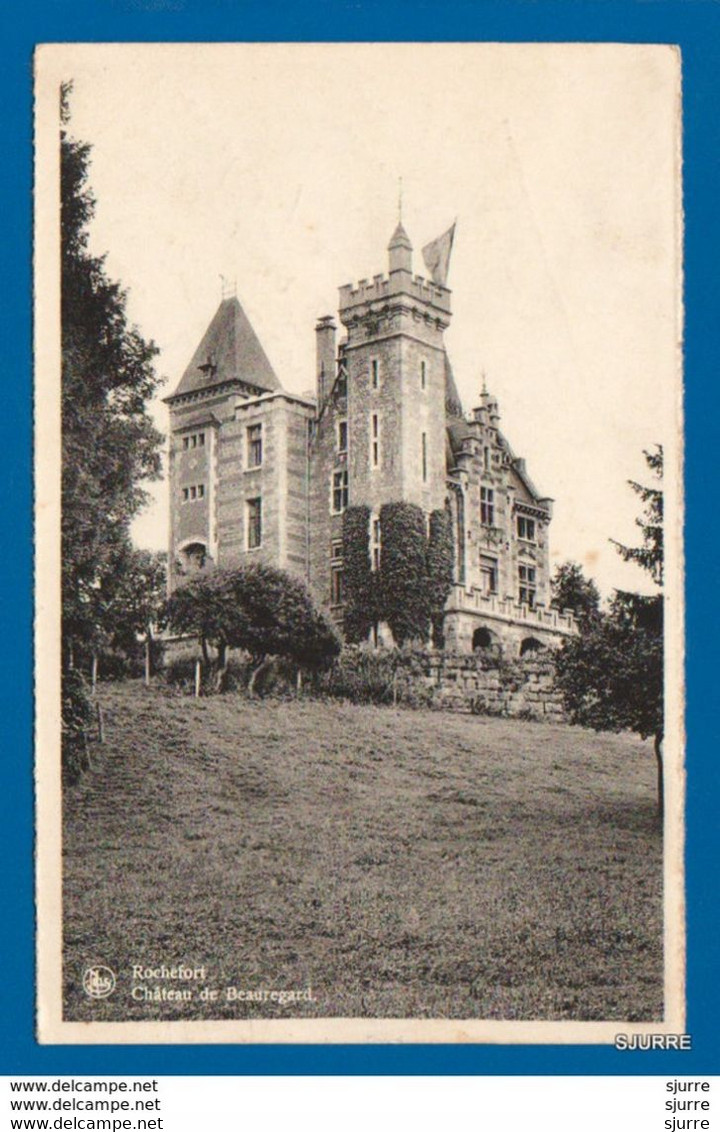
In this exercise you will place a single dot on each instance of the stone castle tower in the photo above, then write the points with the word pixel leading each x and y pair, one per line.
pixel 257 473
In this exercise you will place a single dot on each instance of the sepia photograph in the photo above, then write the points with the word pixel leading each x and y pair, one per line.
pixel 359 575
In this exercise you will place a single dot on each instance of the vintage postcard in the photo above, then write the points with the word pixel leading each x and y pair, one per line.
pixel 359 543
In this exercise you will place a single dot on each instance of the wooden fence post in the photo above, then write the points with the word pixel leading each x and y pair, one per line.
pixel 100 724
pixel 147 661
pixel 94 672
pixel 198 671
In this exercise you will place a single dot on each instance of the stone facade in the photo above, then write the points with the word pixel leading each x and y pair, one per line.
pixel 259 474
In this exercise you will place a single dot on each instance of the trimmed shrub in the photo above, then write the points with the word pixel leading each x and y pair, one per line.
pixel 257 608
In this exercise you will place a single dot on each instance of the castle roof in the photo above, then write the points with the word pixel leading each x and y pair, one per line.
pixel 453 404
pixel 400 238
pixel 230 350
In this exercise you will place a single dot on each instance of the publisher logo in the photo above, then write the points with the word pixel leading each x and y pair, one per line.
pixel 98 982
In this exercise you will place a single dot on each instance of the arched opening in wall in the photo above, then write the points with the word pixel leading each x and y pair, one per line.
pixel 193 557
pixel 482 639
pixel 530 645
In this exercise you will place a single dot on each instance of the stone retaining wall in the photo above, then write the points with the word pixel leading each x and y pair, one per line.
pixel 484 684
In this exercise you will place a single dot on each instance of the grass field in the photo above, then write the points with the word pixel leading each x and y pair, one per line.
pixel 401 863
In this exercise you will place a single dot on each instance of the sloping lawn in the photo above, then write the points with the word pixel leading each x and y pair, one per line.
pixel 400 863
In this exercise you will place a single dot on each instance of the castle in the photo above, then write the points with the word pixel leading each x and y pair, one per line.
pixel 257 473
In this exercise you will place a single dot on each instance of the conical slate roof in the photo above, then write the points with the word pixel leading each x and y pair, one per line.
pixel 230 350
pixel 453 404
pixel 400 238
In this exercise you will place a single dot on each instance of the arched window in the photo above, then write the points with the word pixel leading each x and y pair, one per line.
pixel 193 557
pixel 482 639
pixel 530 645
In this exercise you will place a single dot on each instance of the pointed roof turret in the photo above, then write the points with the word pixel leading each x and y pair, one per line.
pixel 230 350
pixel 400 250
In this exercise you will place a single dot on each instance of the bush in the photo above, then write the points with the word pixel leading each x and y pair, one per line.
pixel 377 676
pixel 257 608
pixel 179 673
pixel 77 719
pixel 361 675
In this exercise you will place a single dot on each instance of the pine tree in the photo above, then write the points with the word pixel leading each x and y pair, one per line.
pixel 650 554
pixel 611 676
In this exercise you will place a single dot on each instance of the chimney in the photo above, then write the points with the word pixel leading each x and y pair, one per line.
pixel 325 343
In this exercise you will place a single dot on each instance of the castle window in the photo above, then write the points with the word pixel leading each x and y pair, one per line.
pixel 526 528
pixel 375 441
pixel 423 374
pixel 195 440
pixel 527 585
pixel 487 506
pixel 254 446
pixel 375 373
pixel 486 459
pixel 488 574
pixel 424 457
pixel 339 492
pixel 192 558
pixel 336 550
pixel 336 584
pixel 375 547
pixel 195 491
pixel 342 437
pixel 254 523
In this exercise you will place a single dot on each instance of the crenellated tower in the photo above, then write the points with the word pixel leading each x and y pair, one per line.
pixel 381 394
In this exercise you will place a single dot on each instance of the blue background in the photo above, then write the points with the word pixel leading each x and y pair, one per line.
pixel 695 26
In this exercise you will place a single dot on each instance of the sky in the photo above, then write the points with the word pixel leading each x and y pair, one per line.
pixel 278 166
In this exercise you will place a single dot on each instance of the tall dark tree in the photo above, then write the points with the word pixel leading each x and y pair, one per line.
pixel 130 601
pixel 110 446
pixel 649 554
pixel 572 590
pixel 611 676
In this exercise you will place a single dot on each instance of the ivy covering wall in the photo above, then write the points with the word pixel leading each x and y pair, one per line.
pixel 440 565
pixel 416 573
pixel 404 597
pixel 358 581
